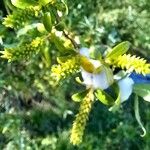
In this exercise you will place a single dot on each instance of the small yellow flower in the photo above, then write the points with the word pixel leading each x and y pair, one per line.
pixel 6 54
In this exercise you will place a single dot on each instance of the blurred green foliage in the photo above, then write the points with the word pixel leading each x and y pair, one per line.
pixel 104 22
pixel 36 115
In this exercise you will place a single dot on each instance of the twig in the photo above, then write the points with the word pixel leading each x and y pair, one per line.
pixel 72 40
pixel 76 46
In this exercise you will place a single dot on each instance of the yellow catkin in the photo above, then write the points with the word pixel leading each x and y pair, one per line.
pixel 79 124
pixel 21 17
pixel 24 51
pixel 131 63
pixel 63 70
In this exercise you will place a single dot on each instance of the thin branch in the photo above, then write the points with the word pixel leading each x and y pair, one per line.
pixel 72 40
pixel 76 46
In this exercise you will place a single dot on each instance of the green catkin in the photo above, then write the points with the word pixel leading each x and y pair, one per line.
pixel 24 51
pixel 81 119
pixel 63 70
pixel 21 17
pixel 131 63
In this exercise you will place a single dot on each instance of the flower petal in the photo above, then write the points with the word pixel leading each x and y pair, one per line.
pixel 87 77
pixel 100 81
pixel 84 51
pixel 95 63
pixel 126 86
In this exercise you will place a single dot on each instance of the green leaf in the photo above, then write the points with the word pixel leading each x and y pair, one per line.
pixel 45 2
pixel 118 50
pixel 137 115
pixel 22 4
pixel 78 80
pixel 79 96
pixel 142 90
pixel 47 21
pixel 47 56
pixel 63 59
pixel 117 102
pixel 64 2
pixel 104 97
pixel 109 74
pixel 58 43
pixel 60 26
pixel 27 28
pixel 96 54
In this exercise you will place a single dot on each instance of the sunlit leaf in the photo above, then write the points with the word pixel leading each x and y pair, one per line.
pixel 118 50
pixel 47 21
pixel 47 56
pixel 78 80
pixel 45 2
pixel 22 4
pixel 64 2
pixel 79 96
pixel 109 74
pixel 63 59
pixel 142 90
pixel 60 44
pixel 117 101
pixel 104 97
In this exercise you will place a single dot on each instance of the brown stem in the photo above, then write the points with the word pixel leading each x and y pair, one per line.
pixel 72 40
pixel 67 35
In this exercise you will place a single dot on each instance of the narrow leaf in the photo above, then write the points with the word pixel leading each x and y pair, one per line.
pixel 142 90
pixel 47 21
pixel 64 2
pixel 79 96
pixel 79 80
pixel 45 2
pixel 137 115
pixel 23 4
pixel 118 50
pixel 117 101
pixel 104 97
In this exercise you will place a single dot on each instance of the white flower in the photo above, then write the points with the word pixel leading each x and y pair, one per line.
pixel 101 80
pixel 94 80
